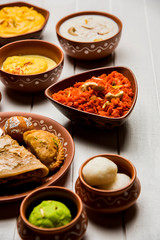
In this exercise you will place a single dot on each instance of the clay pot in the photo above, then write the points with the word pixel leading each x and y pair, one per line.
pixel 73 230
pixel 110 201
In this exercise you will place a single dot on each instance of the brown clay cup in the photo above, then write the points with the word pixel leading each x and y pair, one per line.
pixel 73 230
pixel 110 201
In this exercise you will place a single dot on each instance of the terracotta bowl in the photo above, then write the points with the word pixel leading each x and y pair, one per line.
pixel 82 117
pixel 35 34
pixel 89 50
pixel 73 230
pixel 34 82
pixel 110 201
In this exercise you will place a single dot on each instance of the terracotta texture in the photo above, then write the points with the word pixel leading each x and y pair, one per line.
pixel 34 82
pixel 35 34
pixel 89 118
pixel 73 230
pixel 89 50
pixel 44 123
pixel 110 201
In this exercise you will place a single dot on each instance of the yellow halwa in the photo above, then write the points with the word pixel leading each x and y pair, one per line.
pixel 19 20
pixel 28 64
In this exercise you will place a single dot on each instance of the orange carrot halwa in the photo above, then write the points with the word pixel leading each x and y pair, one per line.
pixel 106 95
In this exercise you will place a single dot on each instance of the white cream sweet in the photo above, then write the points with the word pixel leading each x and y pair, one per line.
pixel 121 181
pixel 102 173
pixel 89 28
pixel 99 170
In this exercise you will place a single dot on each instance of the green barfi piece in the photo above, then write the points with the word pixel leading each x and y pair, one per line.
pixel 50 214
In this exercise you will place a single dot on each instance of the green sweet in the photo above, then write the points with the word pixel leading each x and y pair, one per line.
pixel 50 214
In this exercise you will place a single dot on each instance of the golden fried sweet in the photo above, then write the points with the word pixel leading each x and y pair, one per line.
pixel 15 127
pixel 46 146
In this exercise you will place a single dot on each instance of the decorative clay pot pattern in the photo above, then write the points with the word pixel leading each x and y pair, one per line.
pixel 89 50
pixel 33 82
pixel 75 232
pixel 110 203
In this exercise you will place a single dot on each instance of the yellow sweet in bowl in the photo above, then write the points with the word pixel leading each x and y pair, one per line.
pixel 19 20
pixel 28 64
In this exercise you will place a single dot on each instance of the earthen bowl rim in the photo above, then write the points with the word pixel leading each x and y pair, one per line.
pixel 109 15
pixel 26 4
pixel 48 230
pixel 93 114
pixel 29 41
pixel 99 191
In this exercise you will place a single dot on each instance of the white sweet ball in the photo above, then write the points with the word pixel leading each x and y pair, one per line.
pixel 121 181
pixel 99 170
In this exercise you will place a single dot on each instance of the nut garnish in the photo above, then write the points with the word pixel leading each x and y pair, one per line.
pixel 95 78
pixel 97 39
pixel 111 95
pixel 92 85
pixel 30 18
pixel 42 212
pixel 2 21
pixel 72 31
pixel 87 27
pixel 102 33
pixel 117 86
pixel 106 104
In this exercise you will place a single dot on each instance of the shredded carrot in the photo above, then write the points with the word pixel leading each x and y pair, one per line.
pixel 111 97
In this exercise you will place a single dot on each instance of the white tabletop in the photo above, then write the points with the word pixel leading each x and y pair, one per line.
pixel 137 140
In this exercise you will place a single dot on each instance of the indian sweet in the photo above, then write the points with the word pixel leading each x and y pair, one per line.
pixel 105 95
pixel 19 20
pixel 120 181
pixel 18 165
pixel 15 127
pixel 99 170
pixel 89 28
pixel 50 214
pixel 28 64
pixel 46 146
pixel 102 173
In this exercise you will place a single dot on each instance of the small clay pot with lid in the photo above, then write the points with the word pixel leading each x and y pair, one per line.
pixel 110 201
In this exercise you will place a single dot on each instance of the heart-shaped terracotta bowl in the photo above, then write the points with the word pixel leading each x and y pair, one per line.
pixel 88 118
